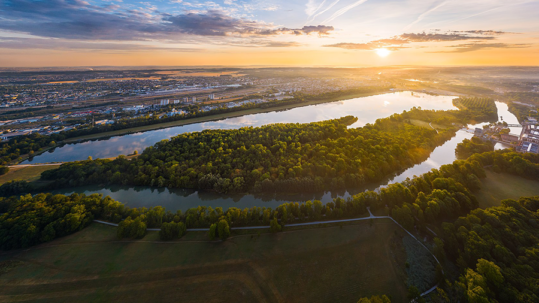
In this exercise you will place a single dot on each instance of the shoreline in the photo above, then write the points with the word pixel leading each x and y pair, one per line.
pixel 214 117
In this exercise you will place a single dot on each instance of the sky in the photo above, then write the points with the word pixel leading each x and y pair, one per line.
pixel 344 33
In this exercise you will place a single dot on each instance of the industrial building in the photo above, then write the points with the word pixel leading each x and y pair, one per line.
pixel 529 138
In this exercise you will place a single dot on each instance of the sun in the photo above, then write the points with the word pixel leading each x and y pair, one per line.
pixel 382 52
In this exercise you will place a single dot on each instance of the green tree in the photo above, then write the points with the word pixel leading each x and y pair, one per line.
pixel 223 229
pixel 275 226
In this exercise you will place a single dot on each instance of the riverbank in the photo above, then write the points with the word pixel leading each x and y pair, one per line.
pixel 216 117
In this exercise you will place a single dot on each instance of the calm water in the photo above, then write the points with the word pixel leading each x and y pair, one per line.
pixel 174 199
pixel 367 109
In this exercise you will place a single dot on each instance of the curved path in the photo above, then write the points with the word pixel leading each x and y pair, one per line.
pixel 371 216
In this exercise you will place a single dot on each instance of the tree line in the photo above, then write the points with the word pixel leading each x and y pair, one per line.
pixel 441 194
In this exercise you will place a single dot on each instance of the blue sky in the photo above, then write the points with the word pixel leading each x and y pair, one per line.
pixel 410 28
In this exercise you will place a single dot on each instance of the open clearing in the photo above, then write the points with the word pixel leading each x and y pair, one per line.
pixel 497 187
pixel 337 264
pixel 27 173
pixel 426 124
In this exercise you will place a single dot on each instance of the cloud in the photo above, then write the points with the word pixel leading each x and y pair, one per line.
pixel 371 45
pixel 484 32
pixel 397 42
pixel 63 44
pixel 441 37
pixel 311 7
pixel 424 14
pixel 80 20
pixel 343 10
pixel 470 47
pixel 282 44
pixel 215 23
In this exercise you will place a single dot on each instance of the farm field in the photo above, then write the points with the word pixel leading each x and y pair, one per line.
pixel 339 264
pixel 497 187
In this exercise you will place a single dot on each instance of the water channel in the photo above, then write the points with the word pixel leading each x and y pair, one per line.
pixel 367 109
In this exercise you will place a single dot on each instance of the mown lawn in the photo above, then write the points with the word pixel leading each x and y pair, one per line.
pixel 329 264
pixel 497 187
pixel 27 173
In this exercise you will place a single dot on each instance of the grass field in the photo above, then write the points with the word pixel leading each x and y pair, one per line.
pixel 213 117
pixel 330 264
pixel 497 187
pixel 426 124
pixel 27 173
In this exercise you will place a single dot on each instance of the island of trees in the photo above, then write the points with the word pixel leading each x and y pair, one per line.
pixel 288 157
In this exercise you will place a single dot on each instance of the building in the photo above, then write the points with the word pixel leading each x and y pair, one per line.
pixel 529 139
pixel 164 102
pixel 509 138
pixel 193 99
pixel 529 147
pixel 530 133
pixel 211 96
pixel 478 132
pixel 176 101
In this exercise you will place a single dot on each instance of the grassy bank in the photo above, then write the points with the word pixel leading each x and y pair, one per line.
pixel 339 264
pixel 497 187
pixel 27 173
pixel 214 117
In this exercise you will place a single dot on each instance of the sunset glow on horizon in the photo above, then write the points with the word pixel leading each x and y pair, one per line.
pixel 277 33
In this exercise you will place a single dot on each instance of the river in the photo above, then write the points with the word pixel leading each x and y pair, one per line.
pixel 175 199
pixel 366 109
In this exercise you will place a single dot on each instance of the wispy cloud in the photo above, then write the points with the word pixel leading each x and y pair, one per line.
pixel 424 14
pixel 323 11
pixel 343 11
pixel 471 47
pixel 398 42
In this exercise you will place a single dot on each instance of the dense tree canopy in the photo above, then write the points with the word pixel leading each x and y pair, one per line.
pixel 288 157
pixel 472 146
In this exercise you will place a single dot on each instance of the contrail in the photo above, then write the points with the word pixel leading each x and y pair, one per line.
pixel 480 13
pixel 343 10
pixel 423 15
pixel 327 9
pixel 311 10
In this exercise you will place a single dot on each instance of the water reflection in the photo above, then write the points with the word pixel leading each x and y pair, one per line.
pixel 174 199
pixel 367 109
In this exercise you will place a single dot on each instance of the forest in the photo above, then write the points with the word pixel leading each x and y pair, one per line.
pixel 522 111
pixel 488 247
pixel 472 146
pixel 484 109
pixel 288 157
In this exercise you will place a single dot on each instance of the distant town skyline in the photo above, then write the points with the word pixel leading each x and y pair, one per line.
pixel 341 33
